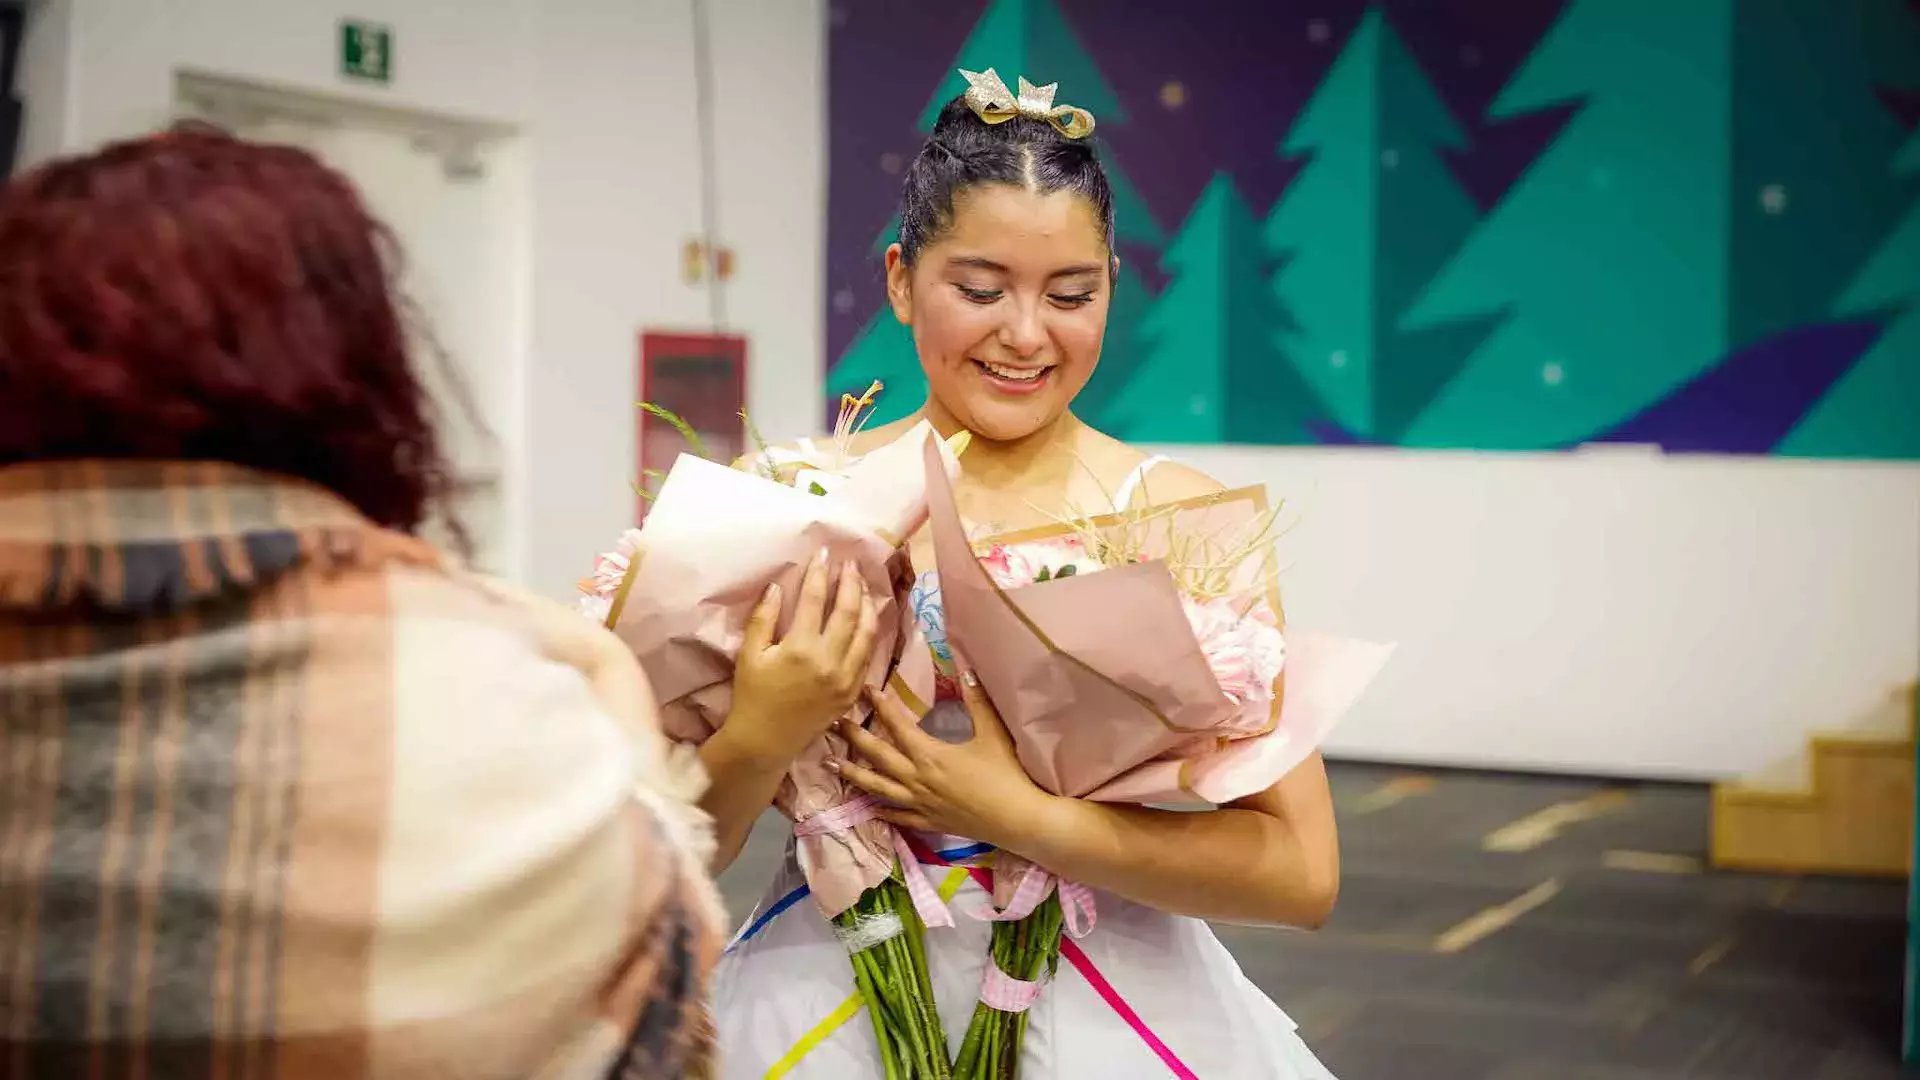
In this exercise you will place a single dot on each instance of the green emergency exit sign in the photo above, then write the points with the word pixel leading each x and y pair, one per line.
pixel 366 51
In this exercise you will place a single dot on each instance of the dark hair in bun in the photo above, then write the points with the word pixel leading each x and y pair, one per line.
pixel 965 152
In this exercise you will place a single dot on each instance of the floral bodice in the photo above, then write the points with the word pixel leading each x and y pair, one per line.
pixel 1009 566
pixel 924 600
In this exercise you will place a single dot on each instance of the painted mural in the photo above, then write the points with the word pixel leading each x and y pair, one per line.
pixel 1447 223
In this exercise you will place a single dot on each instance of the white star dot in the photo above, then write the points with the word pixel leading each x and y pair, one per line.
pixel 890 163
pixel 1773 199
pixel 1318 31
pixel 1337 358
pixel 843 301
pixel 1553 374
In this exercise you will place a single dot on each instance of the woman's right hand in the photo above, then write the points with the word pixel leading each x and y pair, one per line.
pixel 787 692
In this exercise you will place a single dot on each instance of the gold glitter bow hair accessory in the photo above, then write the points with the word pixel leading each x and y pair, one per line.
pixel 993 103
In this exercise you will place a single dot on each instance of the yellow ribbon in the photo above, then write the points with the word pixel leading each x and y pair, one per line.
pixel 993 103
pixel 849 1008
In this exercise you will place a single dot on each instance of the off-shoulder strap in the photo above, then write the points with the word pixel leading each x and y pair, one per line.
pixel 1123 497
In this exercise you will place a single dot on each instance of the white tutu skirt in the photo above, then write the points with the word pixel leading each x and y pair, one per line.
pixel 786 1004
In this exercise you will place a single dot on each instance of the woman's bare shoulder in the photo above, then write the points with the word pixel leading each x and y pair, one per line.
pixel 1172 481
pixel 1166 480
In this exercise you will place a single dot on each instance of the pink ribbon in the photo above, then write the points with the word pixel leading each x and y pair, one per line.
pixel 999 990
pixel 859 811
pixel 1076 902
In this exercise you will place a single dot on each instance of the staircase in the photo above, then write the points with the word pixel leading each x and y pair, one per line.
pixel 1845 806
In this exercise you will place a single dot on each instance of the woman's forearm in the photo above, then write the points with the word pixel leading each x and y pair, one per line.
pixel 1236 865
pixel 743 775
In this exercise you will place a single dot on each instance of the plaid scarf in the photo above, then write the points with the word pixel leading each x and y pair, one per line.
pixel 283 794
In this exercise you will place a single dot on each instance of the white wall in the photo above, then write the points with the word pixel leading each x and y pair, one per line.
pixel 615 223
pixel 1608 611
pixel 45 78
pixel 602 95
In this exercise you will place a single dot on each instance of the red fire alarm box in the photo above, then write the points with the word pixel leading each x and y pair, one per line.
pixel 702 378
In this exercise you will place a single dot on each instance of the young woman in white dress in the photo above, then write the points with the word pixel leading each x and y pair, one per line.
pixel 1004 270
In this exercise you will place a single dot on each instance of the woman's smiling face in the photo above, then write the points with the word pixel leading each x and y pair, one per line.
pixel 1008 307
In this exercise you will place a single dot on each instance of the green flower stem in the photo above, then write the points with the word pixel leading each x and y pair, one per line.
pixel 915 942
pixel 899 971
pixel 1026 949
pixel 927 1046
pixel 897 987
pixel 970 1046
pixel 863 978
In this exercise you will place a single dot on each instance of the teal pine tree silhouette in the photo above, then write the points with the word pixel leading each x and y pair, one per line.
pixel 1719 182
pixel 1030 38
pixel 1119 351
pixel 1365 225
pixel 1813 198
pixel 1208 369
pixel 1871 411
pixel 1608 257
pixel 1017 38
pixel 882 350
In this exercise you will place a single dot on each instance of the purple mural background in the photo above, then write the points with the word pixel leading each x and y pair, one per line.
pixel 1213 90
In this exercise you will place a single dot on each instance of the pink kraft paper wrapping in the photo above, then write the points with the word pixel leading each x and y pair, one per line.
pixel 712 542
pixel 1101 682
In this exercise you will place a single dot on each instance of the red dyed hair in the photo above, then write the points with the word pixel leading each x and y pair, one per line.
pixel 193 296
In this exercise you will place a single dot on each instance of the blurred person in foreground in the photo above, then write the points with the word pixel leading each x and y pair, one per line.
pixel 283 790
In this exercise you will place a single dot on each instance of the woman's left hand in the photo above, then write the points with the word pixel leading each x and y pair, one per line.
pixel 974 789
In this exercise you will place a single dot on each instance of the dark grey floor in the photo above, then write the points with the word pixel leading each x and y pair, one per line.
pixel 1595 950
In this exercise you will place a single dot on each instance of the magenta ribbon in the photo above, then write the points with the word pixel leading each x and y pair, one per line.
pixel 1082 963
pixel 859 811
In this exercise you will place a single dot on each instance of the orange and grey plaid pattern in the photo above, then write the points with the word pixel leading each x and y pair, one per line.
pixel 284 795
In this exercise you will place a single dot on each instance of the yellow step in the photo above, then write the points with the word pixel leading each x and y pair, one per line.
pixel 1846 809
